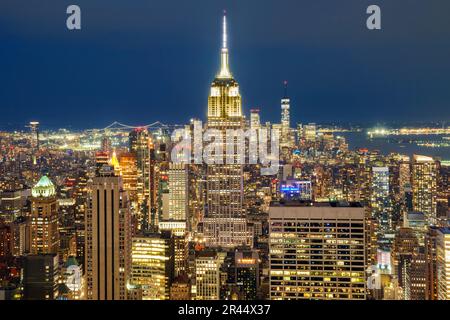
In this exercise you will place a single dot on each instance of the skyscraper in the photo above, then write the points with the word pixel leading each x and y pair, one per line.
pixel 310 132
pixel 431 263
pixel 80 195
pixel 416 280
pixel 10 205
pixel 247 272
pixel 255 122
pixel 106 146
pixel 20 233
pixel 178 191
pixel 34 141
pixel 224 223
pixel 5 240
pixel 285 118
pixel 380 204
pixel 44 218
pixel 443 263
pixel 402 253
pixel 180 240
pixel 207 275
pixel 107 239
pixel 424 185
pixel 140 145
pixel 40 277
pixel 317 251
pixel 129 174
pixel 152 264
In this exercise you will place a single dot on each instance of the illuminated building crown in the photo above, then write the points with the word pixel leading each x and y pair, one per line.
pixel 224 72
pixel 114 162
pixel 44 188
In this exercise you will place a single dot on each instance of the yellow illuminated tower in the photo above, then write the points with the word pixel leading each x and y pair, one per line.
pixel 114 162
pixel 152 261
pixel 44 218
pixel 224 223
pixel 285 118
pixel 128 171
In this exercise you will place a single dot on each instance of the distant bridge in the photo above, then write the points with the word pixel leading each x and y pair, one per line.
pixel 152 126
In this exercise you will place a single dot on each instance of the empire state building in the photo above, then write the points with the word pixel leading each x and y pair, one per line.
pixel 225 224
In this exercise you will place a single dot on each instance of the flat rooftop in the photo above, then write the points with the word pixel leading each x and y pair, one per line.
pixel 303 203
pixel 316 210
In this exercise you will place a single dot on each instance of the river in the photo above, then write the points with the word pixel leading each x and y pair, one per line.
pixel 398 144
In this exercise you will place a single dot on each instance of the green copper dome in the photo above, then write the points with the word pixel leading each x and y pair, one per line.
pixel 71 261
pixel 44 188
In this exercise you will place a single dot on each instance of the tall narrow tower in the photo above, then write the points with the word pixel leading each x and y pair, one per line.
pixel 255 122
pixel 140 144
pixel 108 244
pixel 224 223
pixel 44 218
pixel 424 183
pixel 34 127
pixel 285 117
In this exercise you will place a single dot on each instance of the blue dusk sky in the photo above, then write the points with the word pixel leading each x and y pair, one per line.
pixel 138 61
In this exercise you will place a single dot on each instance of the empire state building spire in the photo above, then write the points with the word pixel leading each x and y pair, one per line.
pixel 224 67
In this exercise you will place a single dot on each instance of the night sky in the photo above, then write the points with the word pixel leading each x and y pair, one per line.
pixel 138 61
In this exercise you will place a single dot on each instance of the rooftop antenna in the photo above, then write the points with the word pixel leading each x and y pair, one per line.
pixel 285 83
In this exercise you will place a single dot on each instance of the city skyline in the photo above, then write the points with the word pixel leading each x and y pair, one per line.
pixel 226 204
pixel 139 64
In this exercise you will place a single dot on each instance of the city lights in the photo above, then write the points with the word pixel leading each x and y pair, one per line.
pixel 227 206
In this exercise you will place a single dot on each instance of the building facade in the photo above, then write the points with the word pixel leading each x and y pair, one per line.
pixel 317 251
pixel 107 239
pixel 44 218
pixel 152 264
pixel 424 186
pixel 224 223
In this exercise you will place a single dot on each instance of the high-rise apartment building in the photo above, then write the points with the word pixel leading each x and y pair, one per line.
pixel 380 204
pixel 140 144
pixel 317 251
pixel 424 186
pixel 285 118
